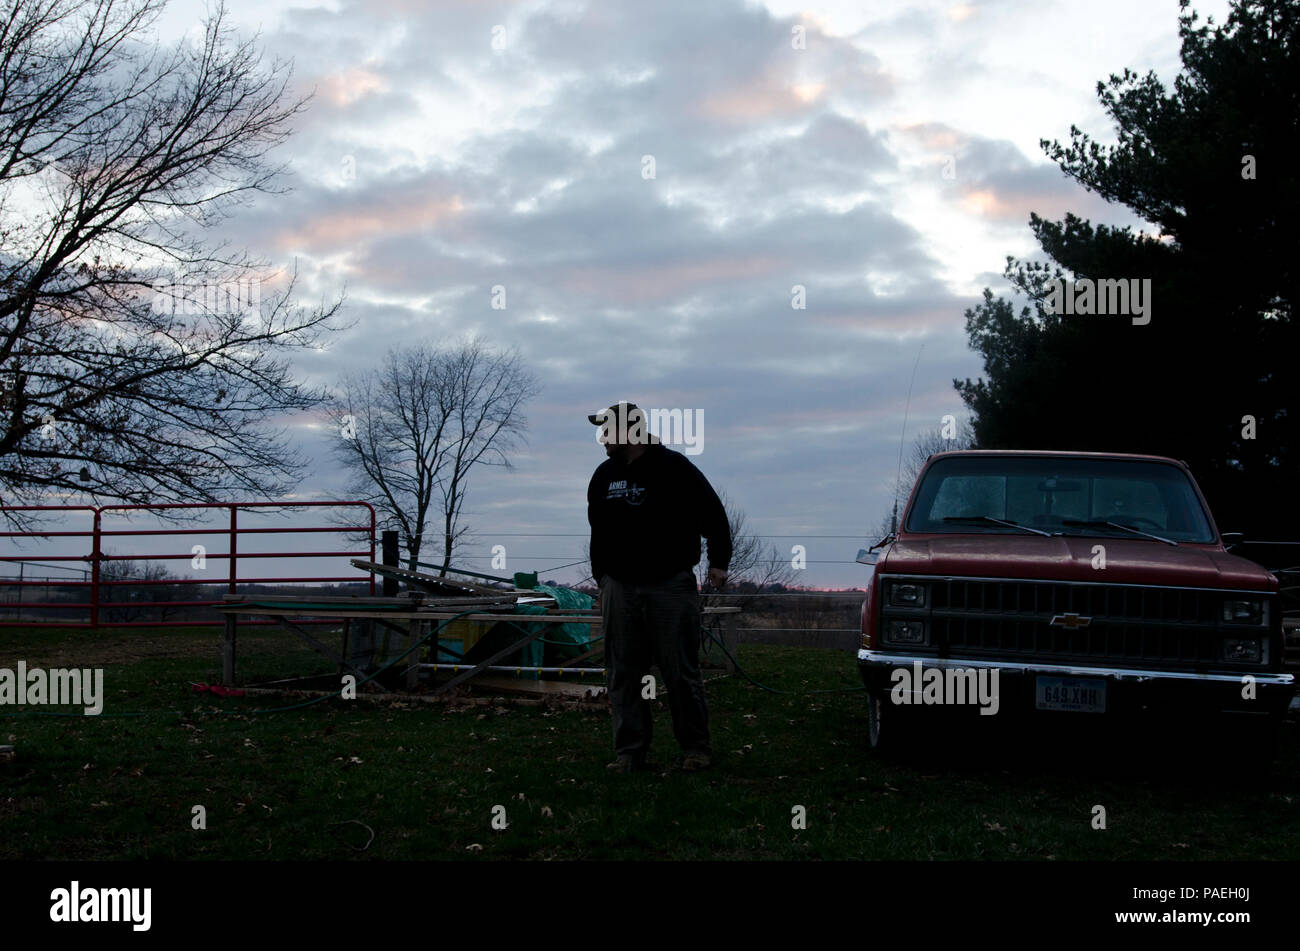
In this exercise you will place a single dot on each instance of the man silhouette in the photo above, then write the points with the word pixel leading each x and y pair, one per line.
pixel 648 506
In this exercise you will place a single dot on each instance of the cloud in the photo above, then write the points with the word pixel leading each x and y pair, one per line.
pixel 452 148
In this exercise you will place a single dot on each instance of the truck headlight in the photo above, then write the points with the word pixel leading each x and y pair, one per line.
pixel 1244 612
pixel 1246 650
pixel 903 594
pixel 905 632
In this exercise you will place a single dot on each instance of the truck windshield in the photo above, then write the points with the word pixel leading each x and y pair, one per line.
pixel 1058 494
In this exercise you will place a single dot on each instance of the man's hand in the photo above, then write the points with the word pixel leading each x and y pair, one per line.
pixel 717 577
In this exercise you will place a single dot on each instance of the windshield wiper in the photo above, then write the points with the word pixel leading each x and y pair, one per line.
pixel 996 521
pixel 1099 523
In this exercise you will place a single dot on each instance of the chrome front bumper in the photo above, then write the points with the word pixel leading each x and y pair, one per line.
pixel 870 658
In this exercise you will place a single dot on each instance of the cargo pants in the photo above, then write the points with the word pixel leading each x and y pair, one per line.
pixel 654 624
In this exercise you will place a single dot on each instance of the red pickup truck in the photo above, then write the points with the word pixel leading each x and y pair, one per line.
pixel 1067 584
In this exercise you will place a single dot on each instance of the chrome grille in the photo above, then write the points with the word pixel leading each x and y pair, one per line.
pixel 1130 625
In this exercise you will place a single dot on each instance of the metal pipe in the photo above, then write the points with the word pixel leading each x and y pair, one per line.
pixel 462 571
pixel 542 670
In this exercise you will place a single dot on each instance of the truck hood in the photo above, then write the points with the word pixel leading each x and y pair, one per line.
pixel 1069 558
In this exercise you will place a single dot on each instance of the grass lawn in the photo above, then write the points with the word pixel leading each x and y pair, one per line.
pixel 315 783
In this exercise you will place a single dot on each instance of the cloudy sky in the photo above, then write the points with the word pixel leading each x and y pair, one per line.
pixel 883 155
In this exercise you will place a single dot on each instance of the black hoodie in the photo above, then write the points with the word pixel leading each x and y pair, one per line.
pixel 647 518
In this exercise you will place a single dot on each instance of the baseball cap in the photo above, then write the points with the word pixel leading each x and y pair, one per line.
pixel 622 410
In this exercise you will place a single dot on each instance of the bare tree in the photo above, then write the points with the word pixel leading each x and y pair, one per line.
pixel 488 391
pixel 139 360
pixel 134 602
pixel 414 430
pixel 752 561
pixel 926 444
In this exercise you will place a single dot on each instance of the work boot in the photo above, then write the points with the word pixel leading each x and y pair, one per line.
pixel 695 761
pixel 626 763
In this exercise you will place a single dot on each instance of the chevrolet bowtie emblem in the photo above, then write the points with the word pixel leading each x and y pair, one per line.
pixel 1070 621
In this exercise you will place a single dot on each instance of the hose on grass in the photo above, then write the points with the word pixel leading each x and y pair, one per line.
pixel 712 635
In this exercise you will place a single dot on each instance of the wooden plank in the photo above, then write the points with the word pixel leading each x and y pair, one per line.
pixel 426 580
pixel 329 613
pixel 248 610
pixel 521 618
pixel 716 609
pixel 415 698
pixel 710 609
pixel 548 688
pixel 415 598
pixel 361 604
pixel 242 610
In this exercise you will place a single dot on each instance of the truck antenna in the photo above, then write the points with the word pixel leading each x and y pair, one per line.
pixel 902 437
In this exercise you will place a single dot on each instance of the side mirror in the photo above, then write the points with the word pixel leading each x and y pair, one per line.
pixel 1232 539
pixel 866 557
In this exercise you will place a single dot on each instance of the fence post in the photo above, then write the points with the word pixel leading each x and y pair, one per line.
pixel 95 555
pixel 234 545
pixel 390 556
pixel 371 510
pixel 731 638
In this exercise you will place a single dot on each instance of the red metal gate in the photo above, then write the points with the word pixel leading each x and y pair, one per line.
pixel 100 589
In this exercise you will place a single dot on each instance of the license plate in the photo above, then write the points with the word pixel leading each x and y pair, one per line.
pixel 1072 694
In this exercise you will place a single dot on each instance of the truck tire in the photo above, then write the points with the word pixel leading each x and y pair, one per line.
pixel 890 729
